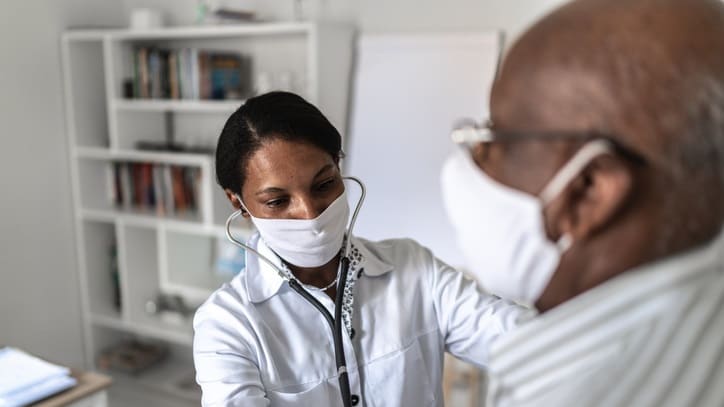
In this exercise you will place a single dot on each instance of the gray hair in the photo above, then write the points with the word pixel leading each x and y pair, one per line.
pixel 696 161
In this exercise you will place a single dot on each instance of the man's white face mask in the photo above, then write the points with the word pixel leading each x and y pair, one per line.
pixel 306 242
pixel 501 230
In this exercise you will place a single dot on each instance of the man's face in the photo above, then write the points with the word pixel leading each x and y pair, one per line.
pixel 538 127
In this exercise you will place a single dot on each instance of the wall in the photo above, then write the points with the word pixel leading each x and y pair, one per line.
pixel 39 297
pixel 374 16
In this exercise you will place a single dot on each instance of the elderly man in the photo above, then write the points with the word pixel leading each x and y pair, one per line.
pixel 606 144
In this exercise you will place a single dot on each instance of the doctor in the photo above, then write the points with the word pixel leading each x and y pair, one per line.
pixel 261 341
pixel 606 151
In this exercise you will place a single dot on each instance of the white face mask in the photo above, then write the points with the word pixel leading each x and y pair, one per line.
pixel 501 230
pixel 306 242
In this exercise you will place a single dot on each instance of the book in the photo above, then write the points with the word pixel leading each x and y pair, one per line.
pixel 191 73
pixel 158 189
pixel 144 81
pixel 179 193
pixel 229 75
pixel 126 187
pixel 173 75
pixel 168 190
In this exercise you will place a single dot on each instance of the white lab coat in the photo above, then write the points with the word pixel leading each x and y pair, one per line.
pixel 258 343
pixel 650 337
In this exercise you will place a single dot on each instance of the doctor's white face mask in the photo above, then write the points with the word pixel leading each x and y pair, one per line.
pixel 306 242
pixel 501 231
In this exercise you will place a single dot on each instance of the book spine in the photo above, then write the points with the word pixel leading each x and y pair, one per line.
pixel 173 74
pixel 145 81
pixel 158 189
pixel 204 76
pixel 195 80
pixel 126 185
pixel 179 195
pixel 168 190
pixel 118 184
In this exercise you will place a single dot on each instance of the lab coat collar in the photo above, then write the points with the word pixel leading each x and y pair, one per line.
pixel 372 263
pixel 263 281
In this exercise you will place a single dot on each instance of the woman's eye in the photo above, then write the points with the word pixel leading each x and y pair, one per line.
pixel 275 203
pixel 326 185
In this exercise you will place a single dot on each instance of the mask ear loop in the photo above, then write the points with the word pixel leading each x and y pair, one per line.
pixel 571 169
pixel 566 174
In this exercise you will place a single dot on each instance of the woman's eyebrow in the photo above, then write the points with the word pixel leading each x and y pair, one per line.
pixel 270 190
pixel 323 170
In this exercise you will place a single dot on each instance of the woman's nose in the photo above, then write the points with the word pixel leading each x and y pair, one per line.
pixel 308 209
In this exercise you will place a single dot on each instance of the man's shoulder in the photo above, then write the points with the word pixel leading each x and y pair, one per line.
pixel 620 342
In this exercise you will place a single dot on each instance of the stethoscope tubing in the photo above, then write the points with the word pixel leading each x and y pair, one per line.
pixel 335 323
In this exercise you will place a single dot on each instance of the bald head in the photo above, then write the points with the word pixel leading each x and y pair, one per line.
pixel 638 69
pixel 648 74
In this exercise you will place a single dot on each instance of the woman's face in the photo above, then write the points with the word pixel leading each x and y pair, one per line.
pixel 290 180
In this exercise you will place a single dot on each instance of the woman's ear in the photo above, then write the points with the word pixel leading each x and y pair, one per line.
pixel 231 196
pixel 592 199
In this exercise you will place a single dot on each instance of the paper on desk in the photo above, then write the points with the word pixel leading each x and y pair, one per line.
pixel 38 391
pixel 25 377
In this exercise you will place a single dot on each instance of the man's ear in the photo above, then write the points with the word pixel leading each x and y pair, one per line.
pixel 235 202
pixel 592 199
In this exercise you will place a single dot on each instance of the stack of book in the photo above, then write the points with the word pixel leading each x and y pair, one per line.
pixel 165 189
pixel 190 73
pixel 25 379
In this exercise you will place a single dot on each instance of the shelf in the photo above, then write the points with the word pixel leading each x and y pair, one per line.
pixel 156 253
pixel 181 334
pixel 107 321
pixel 155 385
pixel 162 105
pixel 190 159
pixel 192 32
pixel 141 218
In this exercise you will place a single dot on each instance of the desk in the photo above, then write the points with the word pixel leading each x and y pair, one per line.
pixel 89 392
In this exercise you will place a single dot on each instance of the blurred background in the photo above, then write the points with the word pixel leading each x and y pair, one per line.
pixel 111 223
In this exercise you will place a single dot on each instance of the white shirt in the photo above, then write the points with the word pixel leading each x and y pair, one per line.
pixel 259 343
pixel 649 337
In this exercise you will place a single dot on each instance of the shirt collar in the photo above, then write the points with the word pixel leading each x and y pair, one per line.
pixel 529 341
pixel 263 281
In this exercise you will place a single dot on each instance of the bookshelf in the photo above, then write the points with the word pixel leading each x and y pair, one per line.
pixel 134 238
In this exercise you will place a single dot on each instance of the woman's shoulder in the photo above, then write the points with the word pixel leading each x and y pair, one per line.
pixel 229 299
pixel 398 252
pixel 391 247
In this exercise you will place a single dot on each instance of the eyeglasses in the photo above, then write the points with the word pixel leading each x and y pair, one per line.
pixel 468 132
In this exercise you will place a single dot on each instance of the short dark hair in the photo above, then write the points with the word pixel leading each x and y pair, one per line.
pixel 274 115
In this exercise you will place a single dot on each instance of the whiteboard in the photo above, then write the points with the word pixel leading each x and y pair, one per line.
pixel 409 91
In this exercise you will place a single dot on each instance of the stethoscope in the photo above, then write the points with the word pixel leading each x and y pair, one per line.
pixel 334 323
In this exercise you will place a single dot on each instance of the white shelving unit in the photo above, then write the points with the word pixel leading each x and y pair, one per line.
pixel 172 253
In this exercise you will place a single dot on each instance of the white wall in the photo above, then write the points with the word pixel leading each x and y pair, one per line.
pixel 383 15
pixel 39 298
